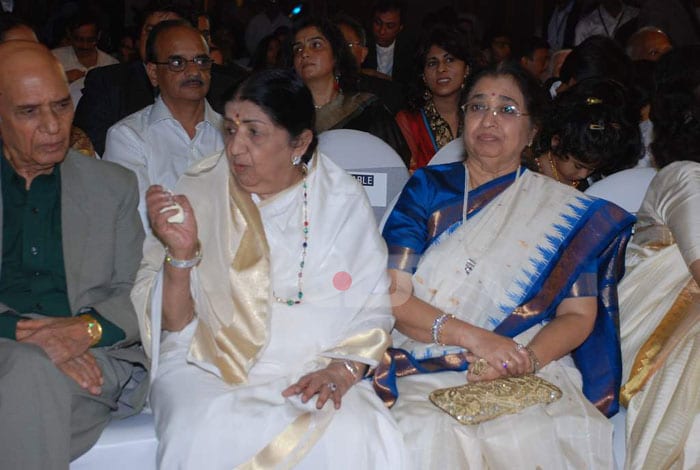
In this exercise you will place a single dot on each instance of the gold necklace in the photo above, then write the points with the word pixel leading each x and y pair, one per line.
pixel 554 170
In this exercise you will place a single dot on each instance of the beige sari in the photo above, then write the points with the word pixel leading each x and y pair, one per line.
pixel 660 325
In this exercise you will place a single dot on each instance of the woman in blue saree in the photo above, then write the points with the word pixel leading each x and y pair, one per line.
pixel 501 271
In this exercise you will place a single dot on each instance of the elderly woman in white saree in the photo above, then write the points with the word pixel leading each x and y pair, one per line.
pixel 503 272
pixel 659 295
pixel 272 298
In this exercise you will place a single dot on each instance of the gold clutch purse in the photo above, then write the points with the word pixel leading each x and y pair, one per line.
pixel 474 403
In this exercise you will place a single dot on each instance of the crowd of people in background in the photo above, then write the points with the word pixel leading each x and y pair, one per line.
pixel 225 104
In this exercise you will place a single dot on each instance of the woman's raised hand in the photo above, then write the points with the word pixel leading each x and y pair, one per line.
pixel 179 237
pixel 331 382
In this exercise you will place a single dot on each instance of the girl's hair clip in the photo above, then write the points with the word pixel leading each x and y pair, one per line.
pixel 591 100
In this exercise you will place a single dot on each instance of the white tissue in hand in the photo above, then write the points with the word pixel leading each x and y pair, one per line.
pixel 178 217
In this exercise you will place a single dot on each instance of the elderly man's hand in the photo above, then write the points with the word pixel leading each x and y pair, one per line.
pixel 85 371
pixel 74 74
pixel 62 339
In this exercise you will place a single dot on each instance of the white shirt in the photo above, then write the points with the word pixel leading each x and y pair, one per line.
pixel 591 24
pixel 646 129
pixel 7 5
pixel 155 146
pixel 557 26
pixel 385 59
pixel 66 56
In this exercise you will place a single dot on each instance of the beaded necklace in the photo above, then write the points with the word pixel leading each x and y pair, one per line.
pixel 304 246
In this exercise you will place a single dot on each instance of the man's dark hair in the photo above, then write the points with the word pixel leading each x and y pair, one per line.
pixel 596 56
pixel 383 6
pixel 151 53
pixel 82 18
pixel 159 7
pixel 527 47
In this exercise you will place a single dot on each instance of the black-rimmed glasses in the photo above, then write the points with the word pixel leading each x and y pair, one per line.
pixel 177 63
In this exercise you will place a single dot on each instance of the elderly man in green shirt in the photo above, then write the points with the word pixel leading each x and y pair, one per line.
pixel 71 245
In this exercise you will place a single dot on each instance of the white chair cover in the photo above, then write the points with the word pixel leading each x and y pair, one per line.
pixel 372 161
pixel 452 152
pixel 625 188
pixel 126 443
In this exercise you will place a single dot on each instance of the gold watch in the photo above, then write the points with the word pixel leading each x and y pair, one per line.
pixel 94 329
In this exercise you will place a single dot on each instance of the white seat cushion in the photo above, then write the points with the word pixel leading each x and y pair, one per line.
pixel 125 443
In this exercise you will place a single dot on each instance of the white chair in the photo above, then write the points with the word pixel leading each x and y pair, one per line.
pixel 450 153
pixel 625 188
pixel 372 161
pixel 125 443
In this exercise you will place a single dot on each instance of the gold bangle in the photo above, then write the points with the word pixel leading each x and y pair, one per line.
pixel 94 329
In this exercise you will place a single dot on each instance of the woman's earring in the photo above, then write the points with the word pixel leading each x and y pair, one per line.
pixel 336 85
pixel 427 95
pixel 296 160
pixel 464 82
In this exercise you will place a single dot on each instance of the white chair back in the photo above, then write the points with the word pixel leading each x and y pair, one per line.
pixel 625 188
pixel 450 153
pixel 372 161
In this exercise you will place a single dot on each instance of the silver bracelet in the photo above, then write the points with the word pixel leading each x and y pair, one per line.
pixel 184 263
pixel 533 360
pixel 437 327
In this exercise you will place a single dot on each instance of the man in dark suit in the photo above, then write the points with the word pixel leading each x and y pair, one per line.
pixel 71 244
pixel 390 92
pixel 390 53
pixel 116 91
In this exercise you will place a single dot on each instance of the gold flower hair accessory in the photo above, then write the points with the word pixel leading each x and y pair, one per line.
pixel 591 100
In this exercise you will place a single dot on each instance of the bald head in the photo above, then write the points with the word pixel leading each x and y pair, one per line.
pixel 648 43
pixel 25 53
pixel 36 111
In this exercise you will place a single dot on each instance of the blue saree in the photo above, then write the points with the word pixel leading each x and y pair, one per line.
pixel 582 256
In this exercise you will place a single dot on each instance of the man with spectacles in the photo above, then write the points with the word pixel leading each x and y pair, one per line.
pixel 162 140
pixel 82 54
pixel 116 91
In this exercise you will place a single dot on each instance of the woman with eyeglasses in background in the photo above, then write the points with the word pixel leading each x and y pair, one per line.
pixel 501 272
pixel 325 64
pixel 435 118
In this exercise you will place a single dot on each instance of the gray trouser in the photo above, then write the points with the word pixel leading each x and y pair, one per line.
pixel 46 418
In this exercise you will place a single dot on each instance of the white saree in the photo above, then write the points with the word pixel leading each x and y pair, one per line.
pixel 507 242
pixel 203 420
pixel 660 325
